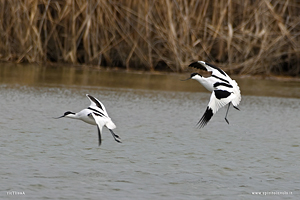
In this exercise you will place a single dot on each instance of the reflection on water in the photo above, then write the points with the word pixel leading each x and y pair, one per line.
pixel 78 76
pixel 163 156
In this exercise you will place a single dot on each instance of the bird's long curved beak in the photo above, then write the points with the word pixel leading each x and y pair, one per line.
pixel 58 117
pixel 186 79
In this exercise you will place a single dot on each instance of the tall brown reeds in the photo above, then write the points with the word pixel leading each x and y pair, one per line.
pixel 244 37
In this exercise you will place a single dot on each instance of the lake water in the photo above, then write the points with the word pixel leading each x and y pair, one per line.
pixel 163 155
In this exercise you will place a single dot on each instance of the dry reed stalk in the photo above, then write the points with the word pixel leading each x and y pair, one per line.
pixel 244 37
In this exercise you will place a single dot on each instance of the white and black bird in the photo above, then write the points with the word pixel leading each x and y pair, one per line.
pixel 95 114
pixel 224 90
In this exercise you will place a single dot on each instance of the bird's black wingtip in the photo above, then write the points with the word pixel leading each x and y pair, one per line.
pixel 236 108
pixel 99 136
pixel 88 96
pixel 197 65
pixel 193 64
pixel 205 118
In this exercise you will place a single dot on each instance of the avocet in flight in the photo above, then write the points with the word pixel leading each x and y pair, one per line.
pixel 224 90
pixel 95 114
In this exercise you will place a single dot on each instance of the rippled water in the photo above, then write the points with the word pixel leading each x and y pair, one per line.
pixel 162 156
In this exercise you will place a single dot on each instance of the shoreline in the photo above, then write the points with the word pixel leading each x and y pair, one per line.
pixel 159 72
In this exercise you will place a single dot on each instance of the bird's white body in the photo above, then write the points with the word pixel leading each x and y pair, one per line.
pixel 224 90
pixel 86 116
pixel 209 82
pixel 206 82
pixel 95 114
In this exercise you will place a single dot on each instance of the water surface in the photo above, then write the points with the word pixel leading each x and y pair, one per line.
pixel 163 154
pixel 57 76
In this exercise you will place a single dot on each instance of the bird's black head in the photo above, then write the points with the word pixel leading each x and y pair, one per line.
pixel 194 74
pixel 66 114
pixel 191 77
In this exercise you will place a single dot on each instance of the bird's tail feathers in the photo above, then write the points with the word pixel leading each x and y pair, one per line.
pixel 110 124
pixel 236 101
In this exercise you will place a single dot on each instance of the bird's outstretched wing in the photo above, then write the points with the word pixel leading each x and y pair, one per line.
pixel 99 135
pixel 99 126
pixel 218 99
pixel 210 68
pixel 109 124
pixel 96 104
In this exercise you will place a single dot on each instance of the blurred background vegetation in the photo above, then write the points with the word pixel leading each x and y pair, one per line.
pixel 242 37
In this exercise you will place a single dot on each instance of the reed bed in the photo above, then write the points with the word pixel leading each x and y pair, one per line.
pixel 243 37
